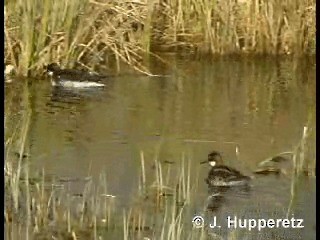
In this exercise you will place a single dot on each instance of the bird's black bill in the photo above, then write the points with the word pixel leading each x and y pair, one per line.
pixel 168 162
pixel 204 162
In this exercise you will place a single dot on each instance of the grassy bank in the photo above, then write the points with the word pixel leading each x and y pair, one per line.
pixel 98 33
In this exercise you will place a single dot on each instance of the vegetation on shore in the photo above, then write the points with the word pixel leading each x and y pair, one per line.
pixel 92 33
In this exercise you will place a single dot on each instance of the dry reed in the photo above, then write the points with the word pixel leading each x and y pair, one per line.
pixel 97 33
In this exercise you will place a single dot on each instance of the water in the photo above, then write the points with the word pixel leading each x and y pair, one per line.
pixel 258 106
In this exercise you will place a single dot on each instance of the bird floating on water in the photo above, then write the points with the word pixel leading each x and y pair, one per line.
pixel 221 175
pixel 72 78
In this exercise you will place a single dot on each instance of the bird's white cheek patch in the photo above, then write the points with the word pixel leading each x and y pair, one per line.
pixel 212 164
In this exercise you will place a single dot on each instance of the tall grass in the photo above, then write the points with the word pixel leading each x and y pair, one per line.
pixel 247 26
pixel 38 32
pixel 95 214
pixel 302 161
pixel 92 33
pixel 54 212
pixel 17 170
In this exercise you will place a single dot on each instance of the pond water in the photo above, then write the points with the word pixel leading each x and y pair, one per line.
pixel 258 107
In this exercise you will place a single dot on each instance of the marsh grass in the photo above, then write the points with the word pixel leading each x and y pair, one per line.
pixel 163 211
pixel 43 207
pixel 98 33
pixel 39 32
pixel 227 27
pixel 302 159
pixel 49 209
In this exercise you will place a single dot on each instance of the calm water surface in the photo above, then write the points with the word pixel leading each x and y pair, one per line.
pixel 259 106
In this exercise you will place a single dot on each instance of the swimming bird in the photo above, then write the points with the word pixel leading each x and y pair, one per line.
pixel 221 175
pixel 72 78
pixel 279 164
